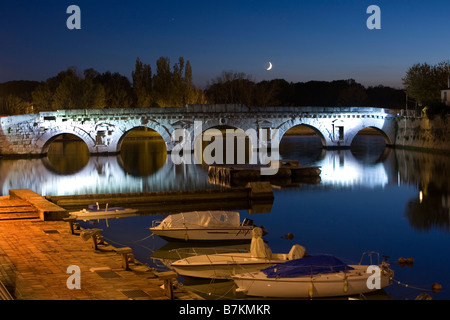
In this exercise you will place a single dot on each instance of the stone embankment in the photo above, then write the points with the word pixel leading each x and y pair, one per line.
pixel 424 134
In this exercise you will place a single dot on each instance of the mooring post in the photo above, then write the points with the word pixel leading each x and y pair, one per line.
pixel 167 277
pixel 125 252
pixel 70 220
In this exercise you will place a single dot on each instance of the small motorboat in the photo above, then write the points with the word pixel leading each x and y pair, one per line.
pixel 204 226
pixel 225 265
pixel 95 212
pixel 314 277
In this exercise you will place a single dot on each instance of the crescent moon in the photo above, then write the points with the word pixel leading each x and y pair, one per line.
pixel 270 66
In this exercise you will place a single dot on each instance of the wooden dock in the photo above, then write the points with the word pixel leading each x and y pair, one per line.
pixel 289 172
pixel 254 196
pixel 27 204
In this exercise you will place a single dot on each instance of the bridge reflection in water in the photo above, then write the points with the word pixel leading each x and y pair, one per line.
pixel 79 173
pixel 144 166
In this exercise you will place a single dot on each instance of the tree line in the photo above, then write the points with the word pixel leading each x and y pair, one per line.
pixel 172 86
pixel 232 87
pixel 90 89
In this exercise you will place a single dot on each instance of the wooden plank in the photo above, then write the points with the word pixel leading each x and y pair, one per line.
pixel 23 215
pixel 13 203
pixel 17 209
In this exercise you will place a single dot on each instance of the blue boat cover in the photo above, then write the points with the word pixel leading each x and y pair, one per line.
pixel 306 266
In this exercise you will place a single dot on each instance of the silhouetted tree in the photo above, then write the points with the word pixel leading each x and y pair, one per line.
pixel 15 97
pixel 142 85
pixel 118 90
pixel 423 82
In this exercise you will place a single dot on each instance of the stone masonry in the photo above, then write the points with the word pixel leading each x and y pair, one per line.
pixel 103 130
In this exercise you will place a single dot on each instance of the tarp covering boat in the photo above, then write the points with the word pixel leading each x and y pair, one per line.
pixel 306 266
pixel 202 219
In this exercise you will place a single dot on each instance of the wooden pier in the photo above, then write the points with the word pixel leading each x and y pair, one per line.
pixel 256 197
pixel 289 172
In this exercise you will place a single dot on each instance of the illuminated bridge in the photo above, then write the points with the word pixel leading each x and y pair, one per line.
pixel 103 130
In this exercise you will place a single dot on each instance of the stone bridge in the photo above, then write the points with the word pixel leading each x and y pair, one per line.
pixel 103 130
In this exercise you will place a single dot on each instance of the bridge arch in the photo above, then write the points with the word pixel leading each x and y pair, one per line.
pixel 125 130
pixel 143 152
pixel 44 142
pixel 374 130
pixel 250 140
pixel 296 123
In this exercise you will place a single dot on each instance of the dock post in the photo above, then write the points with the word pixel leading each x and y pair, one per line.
pixel 70 220
pixel 125 252
pixel 167 277
pixel 91 233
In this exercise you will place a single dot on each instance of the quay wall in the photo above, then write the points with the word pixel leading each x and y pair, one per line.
pixel 423 133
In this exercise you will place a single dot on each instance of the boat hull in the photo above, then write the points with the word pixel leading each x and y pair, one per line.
pixel 221 266
pixel 353 282
pixel 204 234
pixel 102 214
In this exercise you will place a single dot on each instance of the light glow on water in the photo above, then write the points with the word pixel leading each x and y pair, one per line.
pixel 386 200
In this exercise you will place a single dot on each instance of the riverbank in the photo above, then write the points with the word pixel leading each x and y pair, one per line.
pixel 423 134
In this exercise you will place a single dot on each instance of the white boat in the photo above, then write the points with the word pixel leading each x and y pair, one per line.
pixel 313 277
pixel 225 265
pixel 204 226
pixel 95 212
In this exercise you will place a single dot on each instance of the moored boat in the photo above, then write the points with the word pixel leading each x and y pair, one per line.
pixel 204 226
pixel 95 212
pixel 225 265
pixel 314 277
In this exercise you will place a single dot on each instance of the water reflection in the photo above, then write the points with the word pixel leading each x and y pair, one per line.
pixel 144 166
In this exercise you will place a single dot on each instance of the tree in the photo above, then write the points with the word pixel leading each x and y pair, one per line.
pixel 118 90
pixel 69 90
pixel 423 82
pixel 142 85
pixel 231 87
pixel 162 83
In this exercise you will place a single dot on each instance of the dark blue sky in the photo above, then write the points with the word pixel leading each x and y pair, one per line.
pixel 304 39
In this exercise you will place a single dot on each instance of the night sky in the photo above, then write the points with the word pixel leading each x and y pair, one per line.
pixel 304 39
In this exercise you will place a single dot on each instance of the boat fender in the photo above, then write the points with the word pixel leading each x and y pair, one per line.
pixel 186 238
pixel 311 290
pixel 345 285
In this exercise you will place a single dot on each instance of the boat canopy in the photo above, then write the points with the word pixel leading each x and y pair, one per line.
pixel 306 266
pixel 206 219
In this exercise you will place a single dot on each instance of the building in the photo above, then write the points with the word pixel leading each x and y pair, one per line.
pixel 445 94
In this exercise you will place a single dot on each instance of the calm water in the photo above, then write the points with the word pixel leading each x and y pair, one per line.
pixel 370 198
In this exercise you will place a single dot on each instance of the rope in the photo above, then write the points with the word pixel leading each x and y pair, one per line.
pixel 412 286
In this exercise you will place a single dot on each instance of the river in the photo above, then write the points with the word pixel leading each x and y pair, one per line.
pixel 369 198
